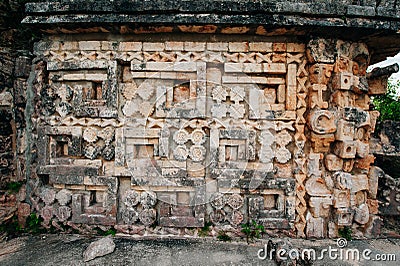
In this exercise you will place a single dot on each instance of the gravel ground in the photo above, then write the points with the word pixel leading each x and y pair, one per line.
pixel 68 250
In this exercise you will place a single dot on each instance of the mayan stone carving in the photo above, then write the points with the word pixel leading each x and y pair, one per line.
pixel 170 135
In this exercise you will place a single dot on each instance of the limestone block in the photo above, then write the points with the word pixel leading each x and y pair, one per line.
pixel 343 81
pixel 343 98
pixel 295 48
pixel 275 68
pixel 359 182
pixel 345 149
pixel 279 47
pixel 373 206
pixel 316 96
pixel 315 186
pixel 321 51
pixel 362 149
pixel 194 46
pixel 99 248
pixel 333 162
pixel 313 168
pixel 321 143
pixel 341 198
pixel 344 216
pixel 238 47
pixel 348 165
pixel 322 122
pixel 361 214
pixel 320 206
pixel 315 227
pixel 153 46
pixel 365 163
pixel 343 180
pixel 89 45
pixel 345 131
pixel 130 46
pixel 375 173
pixel 174 46
pixel 342 64
pixel 320 73
pixel 260 47
pixel 217 46
pixel 291 87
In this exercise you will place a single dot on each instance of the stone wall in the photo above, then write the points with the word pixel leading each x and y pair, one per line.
pixel 163 136
pixel 14 70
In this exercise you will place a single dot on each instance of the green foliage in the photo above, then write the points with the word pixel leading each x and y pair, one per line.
pixel 110 231
pixel 14 187
pixel 223 236
pixel 205 230
pixel 345 232
pixel 33 224
pixel 389 104
pixel 252 230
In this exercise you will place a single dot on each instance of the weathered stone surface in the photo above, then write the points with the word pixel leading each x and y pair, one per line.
pixel 142 130
pixel 99 248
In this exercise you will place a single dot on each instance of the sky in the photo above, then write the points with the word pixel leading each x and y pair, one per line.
pixel 389 61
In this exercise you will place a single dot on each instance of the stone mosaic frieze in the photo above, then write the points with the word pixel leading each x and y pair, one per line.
pixel 180 134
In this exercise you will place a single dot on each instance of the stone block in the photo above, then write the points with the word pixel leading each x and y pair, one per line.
pixel 295 47
pixel 320 206
pixel 194 46
pixel 99 248
pixel 217 46
pixel 333 162
pixel 320 73
pixel 348 165
pixel 260 47
pixel 344 217
pixel 22 67
pixel 345 131
pixel 365 163
pixel 361 214
pixel 359 182
pixel 342 81
pixel 238 47
pixel 362 149
pixel 153 46
pixel 235 30
pixel 130 46
pixel 174 46
pixel 322 122
pixel 321 143
pixel 345 149
pixel 279 47
pixel 315 227
pixel 341 198
pixel 373 206
pixel 375 173
pixel 321 51
pixel 89 45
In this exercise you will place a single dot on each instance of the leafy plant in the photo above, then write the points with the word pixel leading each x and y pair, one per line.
pixel 14 187
pixel 205 230
pixel 389 104
pixel 346 233
pixel 223 236
pixel 110 231
pixel 33 224
pixel 252 230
